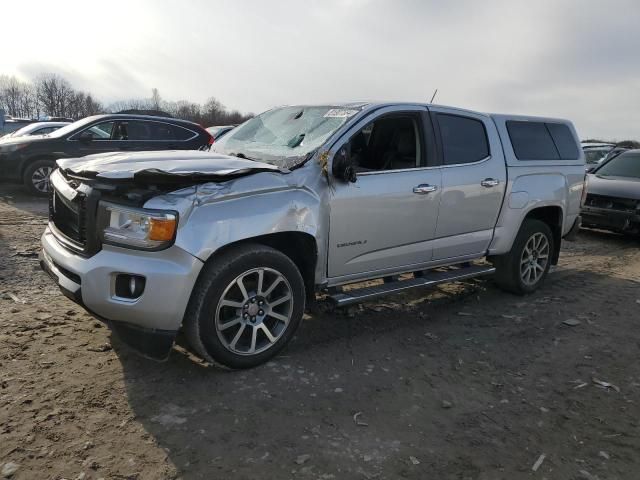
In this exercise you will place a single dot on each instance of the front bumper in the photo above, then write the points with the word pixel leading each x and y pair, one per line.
pixel 150 322
pixel 616 220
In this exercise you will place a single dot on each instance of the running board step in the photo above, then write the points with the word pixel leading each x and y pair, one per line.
pixel 429 279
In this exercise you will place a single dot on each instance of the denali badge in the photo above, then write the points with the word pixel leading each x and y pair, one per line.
pixel 351 244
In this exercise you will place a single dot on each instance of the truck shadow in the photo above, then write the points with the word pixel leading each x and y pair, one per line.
pixel 215 423
pixel 20 199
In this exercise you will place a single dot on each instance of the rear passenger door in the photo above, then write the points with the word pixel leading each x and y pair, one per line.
pixel 473 183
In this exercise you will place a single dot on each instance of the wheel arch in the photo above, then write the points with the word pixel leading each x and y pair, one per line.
pixel 31 160
pixel 553 216
pixel 300 247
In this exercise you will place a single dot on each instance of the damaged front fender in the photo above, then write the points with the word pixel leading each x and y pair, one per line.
pixel 213 215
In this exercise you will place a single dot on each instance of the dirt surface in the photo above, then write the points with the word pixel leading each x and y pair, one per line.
pixel 460 382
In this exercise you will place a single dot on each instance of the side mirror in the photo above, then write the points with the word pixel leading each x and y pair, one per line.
pixel 85 137
pixel 342 166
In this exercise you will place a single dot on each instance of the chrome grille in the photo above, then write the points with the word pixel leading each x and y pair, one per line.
pixel 69 217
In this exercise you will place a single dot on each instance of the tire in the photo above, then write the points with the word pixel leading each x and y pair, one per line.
pixel 36 177
pixel 512 268
pixel 243 329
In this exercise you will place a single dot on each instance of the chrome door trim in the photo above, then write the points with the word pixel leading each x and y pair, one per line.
pixel 477 162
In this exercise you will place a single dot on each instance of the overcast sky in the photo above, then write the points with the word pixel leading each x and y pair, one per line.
pixel 574 59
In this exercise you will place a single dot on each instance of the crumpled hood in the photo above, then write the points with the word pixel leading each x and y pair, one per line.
pixel 162 165
pixel 622 187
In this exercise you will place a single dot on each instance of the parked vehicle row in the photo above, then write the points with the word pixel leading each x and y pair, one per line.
pixel 613 194
pixel 35 128
pixel 9 125
pixel 231 244
pixel 31 159
pixel 594 153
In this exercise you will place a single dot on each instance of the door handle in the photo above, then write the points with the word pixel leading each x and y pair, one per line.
pixel 490 182
pixel 424 189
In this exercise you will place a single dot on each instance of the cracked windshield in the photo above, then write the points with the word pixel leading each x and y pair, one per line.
pixel 285 137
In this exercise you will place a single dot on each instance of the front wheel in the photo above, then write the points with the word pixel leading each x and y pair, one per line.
pixel 525 267
pixel 36 177
pixel 246 306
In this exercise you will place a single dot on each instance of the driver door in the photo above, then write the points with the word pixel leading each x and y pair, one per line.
pixel 386 220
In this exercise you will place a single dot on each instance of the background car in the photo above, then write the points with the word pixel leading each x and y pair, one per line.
pixel 218 132
pixel 31 159
pixel 595 152
pixel 613 194
pixel 10 124
pixel 614 152
pixel 36 128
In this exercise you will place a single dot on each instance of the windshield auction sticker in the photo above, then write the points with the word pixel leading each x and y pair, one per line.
pixel 340 113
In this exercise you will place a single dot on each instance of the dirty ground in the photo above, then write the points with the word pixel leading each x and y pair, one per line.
pixel 459 382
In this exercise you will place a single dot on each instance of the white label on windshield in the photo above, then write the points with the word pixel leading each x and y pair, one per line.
pixel 340 113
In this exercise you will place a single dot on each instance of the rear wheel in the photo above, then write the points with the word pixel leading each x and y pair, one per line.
pixel 245 307
pixel 36 177
pixel 525 267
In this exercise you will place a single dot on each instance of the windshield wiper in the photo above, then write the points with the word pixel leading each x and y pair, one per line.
pixel 295 141
pixel 242 155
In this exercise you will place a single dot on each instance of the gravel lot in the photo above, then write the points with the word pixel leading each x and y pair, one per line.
pixel 460 382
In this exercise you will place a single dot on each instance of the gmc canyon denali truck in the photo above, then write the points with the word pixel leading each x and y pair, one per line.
pixel 231 243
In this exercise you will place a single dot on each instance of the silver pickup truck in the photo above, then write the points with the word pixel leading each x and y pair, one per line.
pixel 231 244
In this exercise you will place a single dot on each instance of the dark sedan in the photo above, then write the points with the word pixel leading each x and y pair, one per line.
pixel 30 160
pixel 613 195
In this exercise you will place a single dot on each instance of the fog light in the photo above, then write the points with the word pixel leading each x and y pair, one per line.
pixel 129 286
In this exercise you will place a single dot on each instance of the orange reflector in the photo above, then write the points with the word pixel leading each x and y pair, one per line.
pixel 162 230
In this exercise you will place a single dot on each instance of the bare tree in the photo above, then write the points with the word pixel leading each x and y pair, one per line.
pixel 17 98
pixel 131 104
pixel 186 110
pixel 55 94
pixel 213 112
pixel 156 100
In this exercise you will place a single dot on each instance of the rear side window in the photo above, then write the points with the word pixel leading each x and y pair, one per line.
pixel 464 139
pixel 564 141
pixel 542 141
pixel 166 131
pixel 154 131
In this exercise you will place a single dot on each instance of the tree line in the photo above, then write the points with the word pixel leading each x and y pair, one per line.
pixel 621 143
pixel 52 95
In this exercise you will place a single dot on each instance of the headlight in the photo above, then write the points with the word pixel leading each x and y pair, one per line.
pixel 12 147
pixel 137 227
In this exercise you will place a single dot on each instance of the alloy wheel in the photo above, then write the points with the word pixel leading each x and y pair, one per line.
pixel 40 179
pixel 534 259
pixel 254 311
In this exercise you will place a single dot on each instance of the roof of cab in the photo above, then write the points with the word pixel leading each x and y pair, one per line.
pixel 370 105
